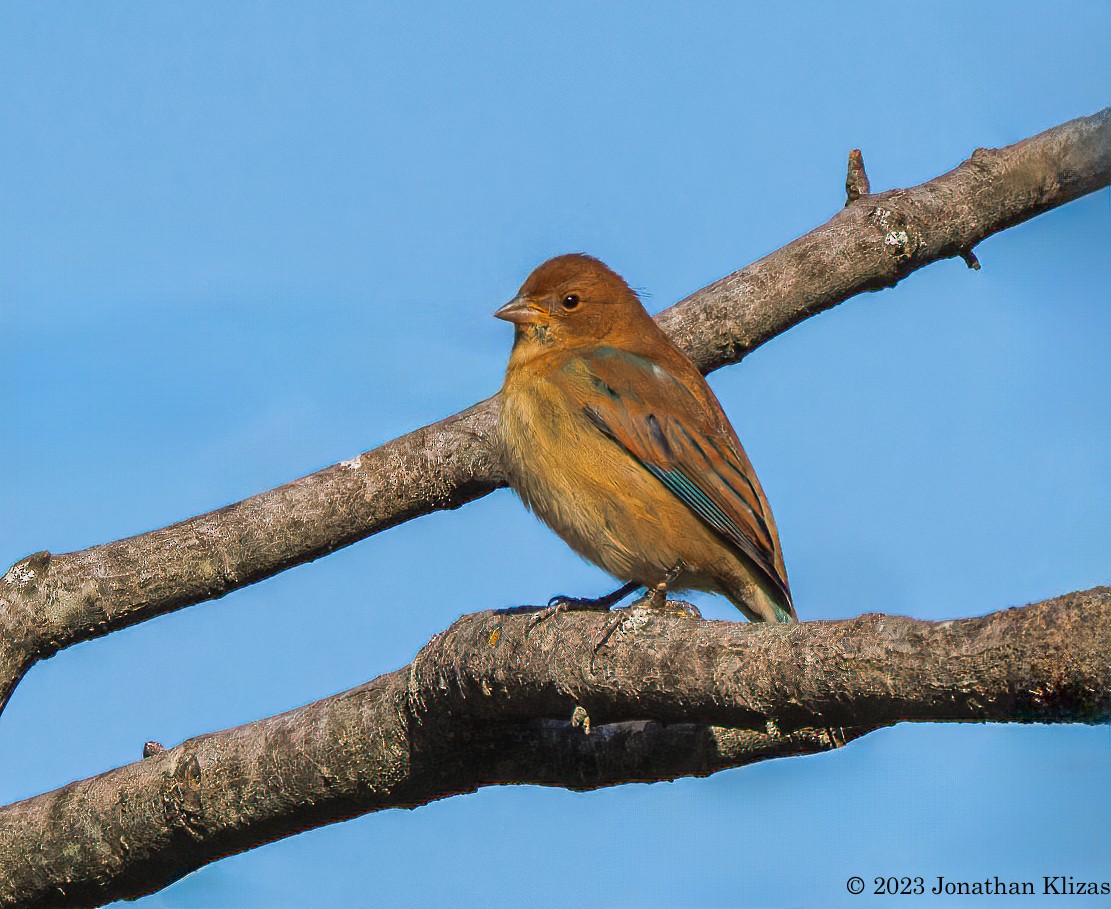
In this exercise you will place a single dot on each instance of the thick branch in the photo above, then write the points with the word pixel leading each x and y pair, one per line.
pixel 488 702
pixel 873 243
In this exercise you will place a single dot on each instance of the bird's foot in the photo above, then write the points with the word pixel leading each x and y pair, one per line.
pixel 616 621
pixel 654 599
pixel 558 604
pixel 579 604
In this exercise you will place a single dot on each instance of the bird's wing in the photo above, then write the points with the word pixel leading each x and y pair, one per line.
pixel 688 445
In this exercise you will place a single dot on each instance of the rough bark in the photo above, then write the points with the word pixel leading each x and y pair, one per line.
pixel 490 701
pixel 48 603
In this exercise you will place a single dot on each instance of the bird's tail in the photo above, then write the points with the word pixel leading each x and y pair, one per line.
pixel 761 603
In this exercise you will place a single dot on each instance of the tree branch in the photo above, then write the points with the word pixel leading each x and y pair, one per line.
pixel 48 603
pixel 490 702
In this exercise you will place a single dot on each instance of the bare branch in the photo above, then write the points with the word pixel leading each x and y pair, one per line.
pixel 488 702
pixel 867 246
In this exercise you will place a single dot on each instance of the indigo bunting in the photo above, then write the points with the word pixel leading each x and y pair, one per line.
pixel 612 437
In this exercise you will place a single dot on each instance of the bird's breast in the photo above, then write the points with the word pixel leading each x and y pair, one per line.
pixel 601 501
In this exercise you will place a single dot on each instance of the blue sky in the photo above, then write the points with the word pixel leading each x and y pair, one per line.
pixel 239 242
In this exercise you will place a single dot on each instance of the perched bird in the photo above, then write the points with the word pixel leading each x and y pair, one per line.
pixel 613 438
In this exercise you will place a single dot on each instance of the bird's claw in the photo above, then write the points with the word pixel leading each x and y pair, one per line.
pixel 560 603
pixel 615 622
pixel 578 604
pixel 655 599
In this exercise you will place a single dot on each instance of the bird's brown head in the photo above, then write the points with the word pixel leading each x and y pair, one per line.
pixel 572 299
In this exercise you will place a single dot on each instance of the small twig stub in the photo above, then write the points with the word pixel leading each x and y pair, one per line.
pixel 856 179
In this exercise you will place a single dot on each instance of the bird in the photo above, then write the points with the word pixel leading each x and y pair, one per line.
pixel 612 437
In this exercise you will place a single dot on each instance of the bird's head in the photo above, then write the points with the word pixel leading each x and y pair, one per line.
pixel 572 299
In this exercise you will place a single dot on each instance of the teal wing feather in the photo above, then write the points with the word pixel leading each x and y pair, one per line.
pixel 688 446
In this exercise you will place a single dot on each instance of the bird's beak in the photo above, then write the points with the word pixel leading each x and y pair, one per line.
pixel 520 311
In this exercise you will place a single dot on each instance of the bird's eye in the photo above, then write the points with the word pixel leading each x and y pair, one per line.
pixel 571 301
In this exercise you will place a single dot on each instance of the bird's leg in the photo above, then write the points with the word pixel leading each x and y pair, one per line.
pixel 558 604
pixel 657 596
